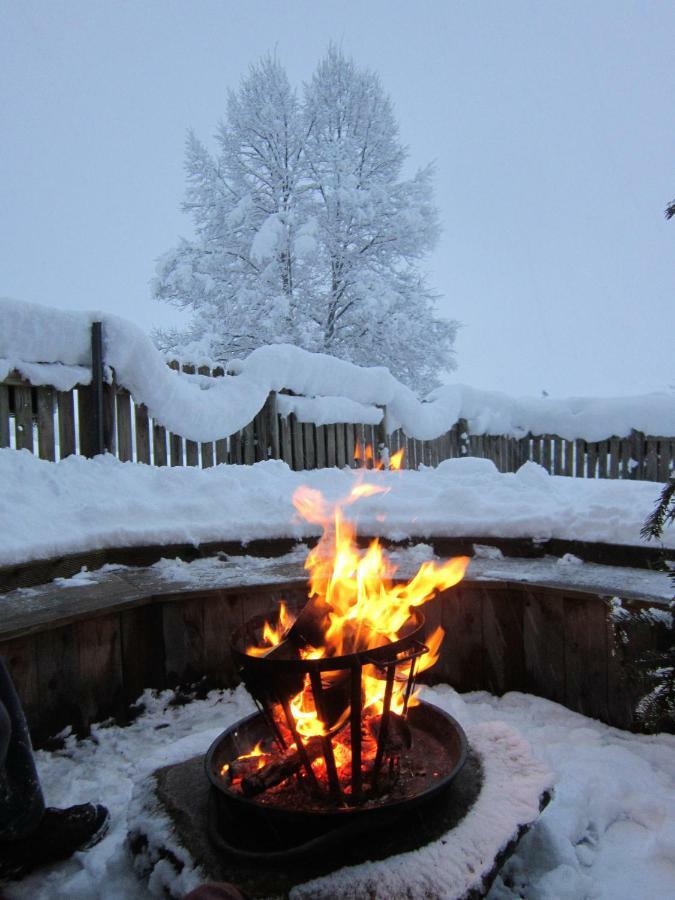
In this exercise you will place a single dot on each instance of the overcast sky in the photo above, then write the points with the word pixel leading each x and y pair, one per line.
pixel 552 125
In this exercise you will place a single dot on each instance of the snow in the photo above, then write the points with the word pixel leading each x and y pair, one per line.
pixel 77 504
pixel 327 410
pixel 208 409
pixel 63 378
pixel 608 833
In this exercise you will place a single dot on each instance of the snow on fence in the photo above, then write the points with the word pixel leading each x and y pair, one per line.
pixel 57 423
pixel 107 388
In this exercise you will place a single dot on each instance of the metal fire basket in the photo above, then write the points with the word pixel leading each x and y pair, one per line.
pixel 276 679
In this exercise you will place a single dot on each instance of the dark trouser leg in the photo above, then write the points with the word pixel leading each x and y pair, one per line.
pixel 21 801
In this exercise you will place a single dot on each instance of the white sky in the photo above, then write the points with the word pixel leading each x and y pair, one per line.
pixel 551 123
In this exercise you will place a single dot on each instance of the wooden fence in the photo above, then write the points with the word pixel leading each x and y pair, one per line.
pixel 101 416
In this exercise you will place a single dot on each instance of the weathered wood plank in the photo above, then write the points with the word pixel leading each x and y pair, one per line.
pixel 221 615
pixel 664 458
pixel 350 443
pixel 309 445
pixel 142 649
pixel 221 451
pixel 330 446
pixel 286 441
pixel 637 445
pixel 614 457
pixel 4 415
pixel 100 691
pixel 273 426
pixel 142 433
pixel 23 417
pixel 536 449
pixel 504 661
pixel 626 469
pixel 191 453
pixel 547 441
pixel 340 452
pixel 359 441
pixel 248 441
pixel 586 656
pixel 207 455
pixel 87 438
pixel 320 446
pixel 58 677
pixel 558 467
pixel 461 617
pixel 158 444
pixel 65 403
pixel 183 627
pixel 123 409
pixel 261 426
pixel 544 644
pixel 580 458
pixel 603 449
pixel 296 437
pixel 236 449
pixel 45 419
pixel 591 459
pixel 191 447
pixel 175 449
pixel 206 449
pixel 651 459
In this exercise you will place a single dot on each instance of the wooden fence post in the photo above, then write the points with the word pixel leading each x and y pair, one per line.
pixel 382 434
pixel 95 404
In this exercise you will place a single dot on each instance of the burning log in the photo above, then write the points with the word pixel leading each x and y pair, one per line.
pixel 280 769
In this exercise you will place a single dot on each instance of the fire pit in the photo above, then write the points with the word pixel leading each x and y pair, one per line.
pixel 342 762
pixel 340 739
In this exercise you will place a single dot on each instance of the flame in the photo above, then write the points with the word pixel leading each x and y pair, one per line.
pixel 358 606
pixel 273 635
pixel 257 751
pixel 396 462
pixel 364 607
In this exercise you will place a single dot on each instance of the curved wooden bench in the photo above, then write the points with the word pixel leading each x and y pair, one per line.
pixel 83 649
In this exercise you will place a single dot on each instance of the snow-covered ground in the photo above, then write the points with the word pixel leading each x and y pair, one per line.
pixel 48 509
pixel 609 831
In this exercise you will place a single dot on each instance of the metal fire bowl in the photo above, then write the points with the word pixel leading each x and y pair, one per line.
pixel 445 753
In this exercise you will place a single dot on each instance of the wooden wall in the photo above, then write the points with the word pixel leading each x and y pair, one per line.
pixel 499 637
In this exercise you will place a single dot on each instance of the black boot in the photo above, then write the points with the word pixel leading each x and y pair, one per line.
pixel 60 833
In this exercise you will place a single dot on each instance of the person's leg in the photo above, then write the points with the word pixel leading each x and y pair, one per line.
pixel 30 835
pixel 21 801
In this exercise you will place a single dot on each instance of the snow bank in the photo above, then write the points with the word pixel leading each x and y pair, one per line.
pixel 209 409
pixel 609 831
pixel 48 509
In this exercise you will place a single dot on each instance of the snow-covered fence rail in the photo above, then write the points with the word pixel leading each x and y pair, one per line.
pixel 61 393
pixel 57 423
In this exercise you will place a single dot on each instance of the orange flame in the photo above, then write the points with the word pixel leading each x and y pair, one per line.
pixel 396 461
pixel 358 606
pixel 273 635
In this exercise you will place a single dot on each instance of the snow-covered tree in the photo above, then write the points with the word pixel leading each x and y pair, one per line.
pixel 241 276
pixel 306 230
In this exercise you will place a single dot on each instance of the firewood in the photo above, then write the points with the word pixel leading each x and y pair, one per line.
pixel 281 768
